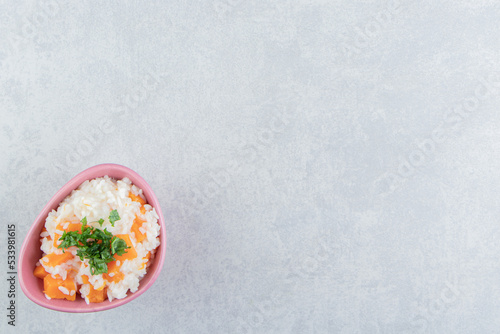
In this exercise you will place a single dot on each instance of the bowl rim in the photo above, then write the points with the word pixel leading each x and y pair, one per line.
pixel 25 268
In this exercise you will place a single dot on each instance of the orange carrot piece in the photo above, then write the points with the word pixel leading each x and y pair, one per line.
pixel 130 252
pixel 96 296
pixel 56 239
pixel 114 274
pixel 147 257
pixel 136 198
pixel 71 228
pixel 51 287
pixel 85 280
pixel 136 229
pixel 139 199
pixel 40 272
pixel 56 259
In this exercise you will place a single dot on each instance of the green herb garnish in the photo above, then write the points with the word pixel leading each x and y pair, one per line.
pixel 113 216
pixel 118 246
pixel 96 245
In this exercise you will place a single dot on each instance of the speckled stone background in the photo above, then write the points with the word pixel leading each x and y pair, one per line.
pixel 323 166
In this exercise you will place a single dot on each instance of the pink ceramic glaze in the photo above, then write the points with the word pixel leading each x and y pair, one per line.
pixel 31 253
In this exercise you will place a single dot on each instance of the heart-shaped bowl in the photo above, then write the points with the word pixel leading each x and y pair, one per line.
pixel 31 253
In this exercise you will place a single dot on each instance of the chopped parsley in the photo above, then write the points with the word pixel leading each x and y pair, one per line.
pixel 113 216
pixel 96 245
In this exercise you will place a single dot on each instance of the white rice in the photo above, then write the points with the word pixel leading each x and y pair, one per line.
pixel 95 199
pixel 63 290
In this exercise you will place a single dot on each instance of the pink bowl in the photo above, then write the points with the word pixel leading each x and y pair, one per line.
pixel 31 253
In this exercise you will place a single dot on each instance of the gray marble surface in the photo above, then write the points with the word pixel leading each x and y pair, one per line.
pixel 323 166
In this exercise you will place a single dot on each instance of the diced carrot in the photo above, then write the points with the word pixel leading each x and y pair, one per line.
pixel 147 257
pixel 117 277
pixel 139 199
pixel 136 198
pixel 85 280
pixel 40 272
pixel 113 267
pixel 136 229
pixel 56 239
pixel 51 287
pixel 53 260
pixel 95 295
pixel 130 252
pixel 114 274
pixel 71 227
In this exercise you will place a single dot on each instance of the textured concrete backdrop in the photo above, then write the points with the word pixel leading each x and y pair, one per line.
pixel 323 166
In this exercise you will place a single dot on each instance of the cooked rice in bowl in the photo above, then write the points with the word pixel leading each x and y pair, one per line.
pixel 122 226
